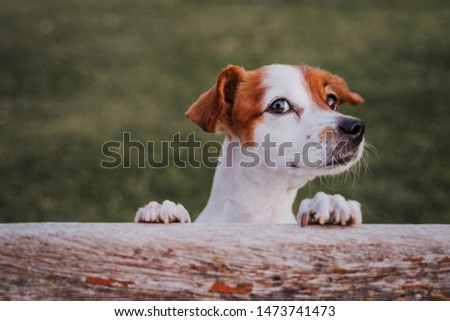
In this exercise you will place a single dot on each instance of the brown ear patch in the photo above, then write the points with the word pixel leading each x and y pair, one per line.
pixel 233 104
pixel 322 82
pixel 212 107
pixel 206 110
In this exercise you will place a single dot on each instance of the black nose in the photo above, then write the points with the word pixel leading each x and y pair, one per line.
pixel 353 127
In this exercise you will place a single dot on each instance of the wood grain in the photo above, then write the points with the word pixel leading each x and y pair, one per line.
pixel 125 261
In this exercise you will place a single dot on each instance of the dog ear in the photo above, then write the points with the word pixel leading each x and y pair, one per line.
pixel 339 87
pixel 213 108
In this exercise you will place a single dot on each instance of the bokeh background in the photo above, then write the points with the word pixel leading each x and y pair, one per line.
pixel 75 74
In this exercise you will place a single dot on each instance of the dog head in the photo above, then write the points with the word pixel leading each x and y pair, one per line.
pixel 292 110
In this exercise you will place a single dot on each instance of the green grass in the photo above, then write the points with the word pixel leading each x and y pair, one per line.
pixel 74 75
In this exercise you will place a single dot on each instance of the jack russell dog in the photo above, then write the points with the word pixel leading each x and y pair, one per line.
pixel 282 130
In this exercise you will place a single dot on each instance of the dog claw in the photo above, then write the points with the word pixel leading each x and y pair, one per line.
pixel 304 219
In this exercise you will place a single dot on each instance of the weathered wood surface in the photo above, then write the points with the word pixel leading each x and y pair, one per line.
pixel 84 261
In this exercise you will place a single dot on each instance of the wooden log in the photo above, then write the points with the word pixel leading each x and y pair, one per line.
pixel 96 261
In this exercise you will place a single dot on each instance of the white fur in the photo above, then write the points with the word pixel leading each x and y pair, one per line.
pixel 264 194
pixel 285 81
pixel 247 195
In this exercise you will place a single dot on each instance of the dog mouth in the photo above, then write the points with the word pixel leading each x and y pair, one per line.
pixel 332 162
pixel 343 154
pixel 331 156
pixel 334 158
pixel 340 160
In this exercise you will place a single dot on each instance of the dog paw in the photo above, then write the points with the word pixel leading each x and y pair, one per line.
pixel 167 212
pixel 329 209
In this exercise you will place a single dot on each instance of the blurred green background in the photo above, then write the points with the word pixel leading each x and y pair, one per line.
pixel 75 74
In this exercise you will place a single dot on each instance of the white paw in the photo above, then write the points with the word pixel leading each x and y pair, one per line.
pixel 331 209
pixel 167 212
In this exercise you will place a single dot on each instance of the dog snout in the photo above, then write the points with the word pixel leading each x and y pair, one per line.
pixel 352 127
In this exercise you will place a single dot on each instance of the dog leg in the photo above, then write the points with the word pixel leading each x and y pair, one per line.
pixel 329 209
pixel 167 212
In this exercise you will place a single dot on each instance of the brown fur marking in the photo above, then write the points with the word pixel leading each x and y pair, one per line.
pixel 322 82
pixel 233 104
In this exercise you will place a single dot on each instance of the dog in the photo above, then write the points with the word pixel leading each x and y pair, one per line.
pixel 292 109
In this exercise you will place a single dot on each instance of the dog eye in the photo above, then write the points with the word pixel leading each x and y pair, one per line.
pixel 279 106
pixel 332 101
